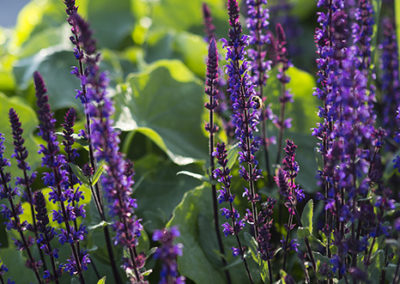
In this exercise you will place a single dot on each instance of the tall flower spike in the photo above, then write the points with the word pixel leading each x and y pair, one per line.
pixel 116 183
pixel 245 113
pixel 282 12
pixel 168 253
pixel 21 154
pixel 282 60
pixel 257 23
pixel 208 23
pixel 12 213
pixel 390 79
pixel 291 193
pixel 57 179
pixel 223 108
pixel 212 91
pixel 85 53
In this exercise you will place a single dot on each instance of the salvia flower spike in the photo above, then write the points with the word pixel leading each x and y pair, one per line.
pixel 12 213
pixel 85 53
pixel 257 23
pixel 390 79
pixel 21 154
pixel 245 113
pixel 168 253
pixel 118 181
pixel 57 179
pixel 212 91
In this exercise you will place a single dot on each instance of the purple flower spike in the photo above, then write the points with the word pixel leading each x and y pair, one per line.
pixel 208 23
pixel 21 154
pixel 12 212
pixel 245 113
pixel 168 253
pixel 57 179
pixel 257 24
pixel 390 79
pixel 117 182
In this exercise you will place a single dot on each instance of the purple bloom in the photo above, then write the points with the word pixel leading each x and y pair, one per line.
pixel 117 181
pixel 208 23
pixel 211 88
pixel 223 176
pixel 57 179
pixel 390 78
pixel 245 114
pixel 12 213
pixel 281 12
pixel 257 23
pixel 264 236
pixel 168 253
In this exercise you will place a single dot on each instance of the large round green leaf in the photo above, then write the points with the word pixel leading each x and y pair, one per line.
pixel 303 110
pixel 112 23
pixel 188 216
pixel 183 15
pixel 165 103
pixel 160 189
pixel 188 47
pixel 54 64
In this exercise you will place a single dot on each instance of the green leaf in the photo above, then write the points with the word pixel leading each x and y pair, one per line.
pixel 102 280
pixel 307 216
pixel 182 15
pixel 193 51
pixel 302 8
pixel 53 63
pixel 99 225
pixel 165 103
pixel 79 173
pixel 194 175
pixel 160 189
pixel 112 24
pixel 98 173
pixel 185 216
pixel 35 17
pixel 397 18
pixel 233 154
pixel 304 109
pixel 15 262
pixel 29 124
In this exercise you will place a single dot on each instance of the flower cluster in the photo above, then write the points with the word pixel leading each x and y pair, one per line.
pixel 118 181
pixel 223 176
pixel 390 78
pixel 58 180
pixel 282 13
pixel 245 114
pixel 259 39
pixel 236 224
pixel 168 253
pixel 12 213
